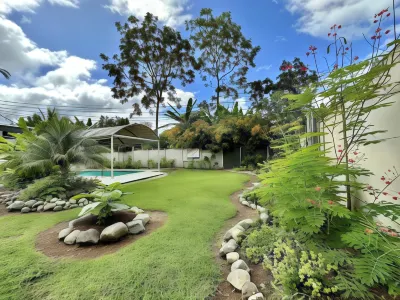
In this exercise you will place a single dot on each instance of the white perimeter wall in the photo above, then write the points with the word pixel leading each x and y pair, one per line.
pixel 179 155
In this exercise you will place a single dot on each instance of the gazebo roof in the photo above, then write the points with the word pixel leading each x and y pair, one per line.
pixel 134 133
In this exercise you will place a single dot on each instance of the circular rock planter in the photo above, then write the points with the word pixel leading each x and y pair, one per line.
pixel 83 238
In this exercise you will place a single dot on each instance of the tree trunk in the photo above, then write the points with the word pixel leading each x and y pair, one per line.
pixel 345 148
pixel 157 111
pixel 217 90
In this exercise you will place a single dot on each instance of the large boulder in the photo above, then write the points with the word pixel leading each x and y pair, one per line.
pixel 228 235
pixel 113 232
pixel 54 200
pixel 257 296
pixel 49 206
pixel 60 203
pixel 232 257
pixel 238 278
pixel 72 201
pixel 40 208
pixel 82 200
pixel 58 208
pixel 246 224
pixel 70 239
pixel 37 204
pixel 135 226
pixel 248 289
pixel 64 233
pixel 17 205
pixel 253 206
pixel 90 236
pixel 237 233
pixel 246 203
pixel 30 203
pixel 144 217
pixel 88 219
pixel 229 247
pixel 261 209
pixel 240 264
pixel 264 217
pixel 25 210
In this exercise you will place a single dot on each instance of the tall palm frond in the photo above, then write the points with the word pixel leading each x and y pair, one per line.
pixel 183 119
pixel 5 73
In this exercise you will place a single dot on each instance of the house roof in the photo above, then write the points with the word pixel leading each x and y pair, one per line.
pixel 135 133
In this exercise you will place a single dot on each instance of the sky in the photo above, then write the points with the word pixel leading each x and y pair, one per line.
pixel 51 47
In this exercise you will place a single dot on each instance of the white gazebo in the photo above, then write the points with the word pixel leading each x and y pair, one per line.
pixel 128 135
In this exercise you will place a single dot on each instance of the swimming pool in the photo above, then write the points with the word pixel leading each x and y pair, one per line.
pixel 106 173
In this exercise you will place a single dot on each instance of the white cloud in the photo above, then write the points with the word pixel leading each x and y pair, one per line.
pixel 68 3
pixel 280 38
pixel 25 20
pixel 317 16
pixel 171 12
pixel 29 6
pixel 266 68
pixel 275 1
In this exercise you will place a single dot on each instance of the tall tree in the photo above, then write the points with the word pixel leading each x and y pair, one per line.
pixel 226 54
pixel 89 122
pixel 150 59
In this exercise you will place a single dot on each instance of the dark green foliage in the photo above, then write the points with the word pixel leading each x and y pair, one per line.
pixel 167 163
pixel 106 121
pixel 150 59
pixel 226 55
pixel 184 119
pixel 5 73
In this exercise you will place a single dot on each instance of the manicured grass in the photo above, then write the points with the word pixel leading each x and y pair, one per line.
pixel 175 262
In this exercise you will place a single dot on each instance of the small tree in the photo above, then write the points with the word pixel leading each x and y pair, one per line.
pixel 150 59
pixel 89 122
pixel 226 54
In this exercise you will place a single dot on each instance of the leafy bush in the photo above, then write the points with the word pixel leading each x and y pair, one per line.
pixel 251 162
pixel 167 163
pixel 151 164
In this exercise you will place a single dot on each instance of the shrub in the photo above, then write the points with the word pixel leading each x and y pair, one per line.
pixel 151 164
pixel 167 163
pixel 251 162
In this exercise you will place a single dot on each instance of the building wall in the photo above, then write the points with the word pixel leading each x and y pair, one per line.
pixel 383 156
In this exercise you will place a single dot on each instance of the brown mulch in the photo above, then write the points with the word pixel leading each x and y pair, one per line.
pixel 47 241
pixel 258 275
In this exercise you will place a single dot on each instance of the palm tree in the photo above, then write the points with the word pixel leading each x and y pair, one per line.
pixel 183 119
pixel 59 145
pixel 5 73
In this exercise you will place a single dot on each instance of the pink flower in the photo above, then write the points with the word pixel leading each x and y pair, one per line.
pixel 329 34
pixel 347 48
pixel 373 37
pixel 385 193
pixel 384 229
pixel 317 188
pixel 340 26
pixel 388 15
pixel 388 182
pixel 355 153
pixel 382 178
pixel 392 233
pixel 340 146
pixel 389 170
pixel 356 58
pixel 340 150
pixel 335 67
pixel 394 198
pixel 378 30
pixel 312 48
pixel 378 37
pixel 376 21
pixel 387 31
pixel 369 187
pixel 351 160
pixel 307 53
pixel 304 69
pixel 290 67
pixel 335 34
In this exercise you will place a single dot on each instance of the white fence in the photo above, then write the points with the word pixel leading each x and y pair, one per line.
pixel 179 155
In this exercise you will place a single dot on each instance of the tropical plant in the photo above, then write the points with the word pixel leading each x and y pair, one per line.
pixel 226 55
pixel 150 59
pixel 183 119
pixel 5 73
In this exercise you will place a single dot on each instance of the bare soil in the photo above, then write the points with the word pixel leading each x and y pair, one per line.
pixel 47 241
pixel 258 275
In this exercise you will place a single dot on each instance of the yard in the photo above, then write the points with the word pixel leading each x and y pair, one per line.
pixel 175 262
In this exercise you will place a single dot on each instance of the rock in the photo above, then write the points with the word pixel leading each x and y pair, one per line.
pixel 137 210
pixel 86 220
pixel 237 233
pixel 54 200
pixel 63 233
pixel 246 203
pixel 240 264
pixel 135 226
pixel 256 184
pixel 229 247
pixel 238 278
pixel 228 235
pixel 80 204
pixel 70 239
pixel 232 257
pixel 253 206
pixel 257 296
pixel 38 203
pixel 82 200
pixel 264 217
pixel 49 206
pixel 9 203
pixel 90 236
pixel 67 205
pixel 25 210
pixel 57 208
pixel 17 205
pixel 40 208
pixel 73 206
pixel 261 209
pixel 113 232
pixel 30 203
pixel 144 217
pixel 248 289
pixel 246 223
pixel 85 203
pixel 60 203
pixel 72 201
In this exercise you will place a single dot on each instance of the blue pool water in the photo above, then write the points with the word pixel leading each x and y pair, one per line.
pixel 106 173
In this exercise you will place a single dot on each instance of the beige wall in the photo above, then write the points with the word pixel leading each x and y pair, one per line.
pixel 385 155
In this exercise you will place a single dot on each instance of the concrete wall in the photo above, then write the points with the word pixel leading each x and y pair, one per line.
pixel 179 155
pixel 385 155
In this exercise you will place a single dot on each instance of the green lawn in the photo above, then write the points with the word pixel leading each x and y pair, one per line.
pixel 175 262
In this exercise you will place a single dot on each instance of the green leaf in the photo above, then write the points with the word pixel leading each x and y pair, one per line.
pixel 88 208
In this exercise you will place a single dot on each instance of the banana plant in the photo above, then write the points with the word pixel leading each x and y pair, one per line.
pixel 5 73
pixel 183 119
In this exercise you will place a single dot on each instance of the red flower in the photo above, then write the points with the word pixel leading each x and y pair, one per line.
pixel 312 48
pixel 378 30
pixel 304 69
pixel 307 53
pixel 373 37
pixel 329 34
pixel 355 153
pixel 368 231
pixel 378 37
pixel 387 31
pixel 388 182
pixel 385 193
pixel 394 198
pixel 351 160
pixel 347 48
pixel 340 150
pixel 376 21
pixel 382 178
pixel 317 188
pixel 356 58
pixel 389 170
pixel 330 202
pixel 340 146
pixel 290 67
pixel 335 34
pixel 388 15
pixel 398 193
pixel 340 26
